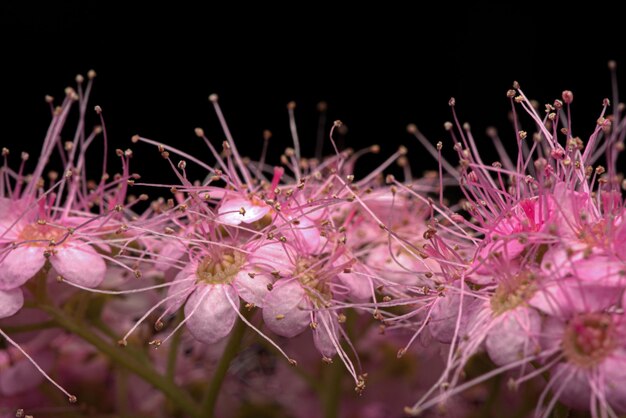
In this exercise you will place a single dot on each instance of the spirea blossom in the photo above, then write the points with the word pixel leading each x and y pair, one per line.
pixel 259 286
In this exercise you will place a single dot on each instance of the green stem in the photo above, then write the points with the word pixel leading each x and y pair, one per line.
pixel 178 396
pixel 207 409
pixel 29 327
pixel 332 390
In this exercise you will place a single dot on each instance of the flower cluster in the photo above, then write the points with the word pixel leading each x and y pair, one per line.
pixel 526 270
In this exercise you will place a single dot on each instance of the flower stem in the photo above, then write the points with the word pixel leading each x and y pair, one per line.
pixel 178 396
pixel 207 409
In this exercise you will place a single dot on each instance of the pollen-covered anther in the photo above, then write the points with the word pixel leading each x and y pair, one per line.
pixel 158 325
pixel 522 135
pixel 122 343
pixel 279 317
pixel 337 123
pixel 327 360
pixel 390 179
pixel 155 343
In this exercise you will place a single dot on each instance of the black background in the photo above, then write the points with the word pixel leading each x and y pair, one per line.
pixel 378 68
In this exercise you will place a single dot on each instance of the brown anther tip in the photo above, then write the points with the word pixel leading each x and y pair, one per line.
pixel 158 325
pixel 292 362
pixel 452 102
pixel 439 145
pixel 375 149
pixel 337 123
pixel 134 139
pixel 91 74
pixel 199 132
pixel 411 128
pixel 19 413
pixel 401 352
pixel 24 156
pixel 291 105
pixel 213 98
pixel 122 343
pixel 447 126
pixel 322 106
pixel 59 279
pixel 612 65
pixel 48 98
pixel 72 399
pixel 515 85
pixel 402 150
pixel 79 78
pixel 389 179
pixel 510 93
pixel 267 134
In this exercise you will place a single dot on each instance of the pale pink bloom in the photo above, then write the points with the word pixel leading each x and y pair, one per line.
pixel 591 374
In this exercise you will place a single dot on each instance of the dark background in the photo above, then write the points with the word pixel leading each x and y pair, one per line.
pixel 378 69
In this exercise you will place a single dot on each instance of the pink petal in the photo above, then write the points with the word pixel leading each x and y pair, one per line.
pixel 80 265
pixel 210 315
pixel 169 254
pixel 20 265
pixel 252 290
pixel 273 256
pixel 183 285
pixel 229 211
pixel 444 316
pixel 359 285
pixel 567 296
pixel 11 302
pixel 575 382
pixel 514 336
pixel 285 309
pixel 614 370
pixel 324 334
pixel 305 234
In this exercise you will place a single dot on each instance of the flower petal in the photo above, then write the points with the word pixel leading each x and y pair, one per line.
pixel 514 336
pixel 324 334
pixel 183 285
pixel 230 211
pixel 80 265
pixel 210 316
pixel 252 290
pixel 285 309
pixel 11 301
pixel 20 265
